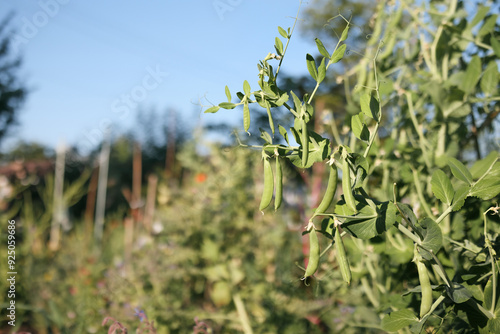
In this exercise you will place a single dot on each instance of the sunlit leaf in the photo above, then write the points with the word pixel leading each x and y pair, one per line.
pixel 227 105
pixel 279 46
pixel 338 54
pixel 228 94
pixel 459 170
pixel 359 128
pixel 489 81
pixel 246 88
pixel 321 71
pixel 472 75
pixel 343 37
pixel 212 110
pixel 322 49
pixel 311 67
pixel 441 187
pixel 433 237
pixel 282 32
pixel 397 320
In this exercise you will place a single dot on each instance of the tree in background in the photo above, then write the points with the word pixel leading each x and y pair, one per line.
pixel 12 92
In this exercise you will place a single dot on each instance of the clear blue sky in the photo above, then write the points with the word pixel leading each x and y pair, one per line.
pixel 83 58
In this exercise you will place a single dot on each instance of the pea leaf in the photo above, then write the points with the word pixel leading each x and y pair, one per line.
pixel 321 71
pixel 459 170
pixel 283 32
pixel 489 81
pixel 370 221
pixel 311 67
pixel 212 110
pixel 369 106
pixel 228 94
pixel 318 149
pixel 472 75
pixel 441 187
pixel 495 44
pixel 458 293
pixel 343 37
pixel 489 186
pixel 266 136
pixel 322 49
pixel 284 133
pixel 338 54
pixel 460 195
pixel 227 105
pixel 359 128
pixel 397 320
pixel 246 88
pixel 279 46
pixel 481 167
pixel 433 237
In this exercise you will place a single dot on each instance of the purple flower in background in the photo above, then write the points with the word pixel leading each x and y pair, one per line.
pixel 140 313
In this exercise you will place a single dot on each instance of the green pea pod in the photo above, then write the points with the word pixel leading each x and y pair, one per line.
pixel 346 186
pixel 305 143
pixel 314 253
pixel 345 269
pixel 425 286
pixel 279 184
pixel 329 192
pixel 267 194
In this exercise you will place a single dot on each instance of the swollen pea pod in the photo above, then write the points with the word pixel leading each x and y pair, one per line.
pixel 346 186
pixel 305 143
pixel 330 190
pixel 345 269
pixel 267 194
pixel 425 286
pixel 279 185
pixel 314 253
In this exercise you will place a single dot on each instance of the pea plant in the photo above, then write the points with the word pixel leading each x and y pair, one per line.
pixel 406 195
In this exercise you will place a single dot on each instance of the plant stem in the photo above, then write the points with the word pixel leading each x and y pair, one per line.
pixel 242 313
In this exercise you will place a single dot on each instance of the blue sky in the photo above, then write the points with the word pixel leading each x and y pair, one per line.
pixel 89 64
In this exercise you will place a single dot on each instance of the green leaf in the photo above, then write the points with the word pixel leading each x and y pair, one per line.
pixel 397 320
pixel 212 110
pixel 270 116
pixel 311 67
pixel 458 293
pixel 296 102
pixel 282 99
pixel 338 54
pixel 359 128
pixel 266 136
pixel 489 81
pixel 284 133
pixel 480 15
pixel 494 325
pixel 227 105
pixel 279 46
pixel 343 37
pixel 370 221
pixel 433 237
pixel 441 187
pixel 246 116
pixel 318 149
pixel 488 26
pixel 322 49
pixel 495 44
pixel 481 167
pixel 459 170
pixel 460 195
pixel 282 32
pixel 228 94
pixel 407 213
pixel 369 106
pixel 246 88
pixel 472 75
pixel 488 187
pixel 321 70
pixel 457 109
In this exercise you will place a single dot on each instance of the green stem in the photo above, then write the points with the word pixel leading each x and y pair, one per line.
pixel 420 193
pixel 242 313
pixel 287 42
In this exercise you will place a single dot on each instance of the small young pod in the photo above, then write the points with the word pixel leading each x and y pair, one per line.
pixel 345 269
pixel 425 286
pixel 267 194
pixel 278 197
pixel 305 143
pixel 329 192
pixel 346 186
pixel 314 253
